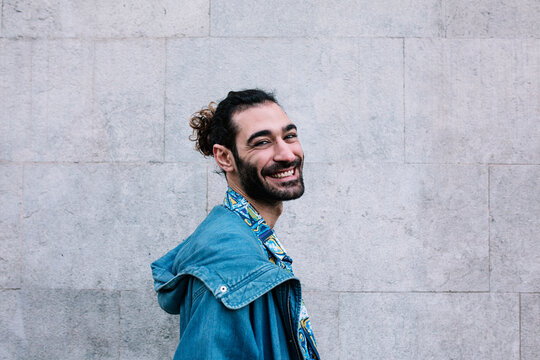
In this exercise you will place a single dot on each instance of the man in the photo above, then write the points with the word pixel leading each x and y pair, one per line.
pixel 231 280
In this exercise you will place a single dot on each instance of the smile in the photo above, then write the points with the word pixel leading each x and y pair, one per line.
pixel 282 174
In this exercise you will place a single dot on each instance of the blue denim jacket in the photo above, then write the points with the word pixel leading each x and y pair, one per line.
pixel 233 303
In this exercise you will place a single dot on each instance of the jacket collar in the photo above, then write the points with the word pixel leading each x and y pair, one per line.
pixel 268 239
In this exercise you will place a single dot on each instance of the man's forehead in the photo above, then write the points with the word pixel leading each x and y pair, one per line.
pixel 268 116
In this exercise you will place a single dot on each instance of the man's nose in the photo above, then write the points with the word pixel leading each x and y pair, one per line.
pixel 283 152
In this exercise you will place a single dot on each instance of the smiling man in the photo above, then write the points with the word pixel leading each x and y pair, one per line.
pixel 231 281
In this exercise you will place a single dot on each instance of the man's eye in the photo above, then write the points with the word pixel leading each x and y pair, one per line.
pixel 291 136
pixel 262 142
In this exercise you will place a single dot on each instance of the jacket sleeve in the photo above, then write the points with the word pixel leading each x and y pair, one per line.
pixel 210 331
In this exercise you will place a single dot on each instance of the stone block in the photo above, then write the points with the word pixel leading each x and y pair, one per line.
pixel 259 18
pixel 429 326
pixel 147 332
pixel 492 18
pixel 326 18
pixel 316 81
pixel 378 127
pixel 101 18
pixel 62 126
pixel 13 339
pixel 530 326
pixel 515 222
pixel 389 227
pixel 323 313
pixel 163 18
pixel 101 225
pixel 188 84
pixel 60 324
pixel 15 97
pixel 47 19
pixel 472 101
pixel 11 177
pixel 129 98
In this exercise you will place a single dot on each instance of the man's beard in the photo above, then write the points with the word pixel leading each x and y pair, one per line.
pixel 255 188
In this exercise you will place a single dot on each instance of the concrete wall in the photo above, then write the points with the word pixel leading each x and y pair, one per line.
pixel 418 236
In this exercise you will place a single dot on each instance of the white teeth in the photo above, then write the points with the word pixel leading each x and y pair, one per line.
pixel 283 174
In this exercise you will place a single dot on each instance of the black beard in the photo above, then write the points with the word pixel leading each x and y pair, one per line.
pixel 256 189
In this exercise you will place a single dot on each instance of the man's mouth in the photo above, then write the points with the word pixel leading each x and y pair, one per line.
pixel 283 171
pixel 282 174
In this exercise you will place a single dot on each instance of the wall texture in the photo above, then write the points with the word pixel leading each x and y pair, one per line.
pixel 418 236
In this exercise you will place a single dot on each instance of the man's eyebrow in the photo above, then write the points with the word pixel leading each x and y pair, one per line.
pixel 289 127
pixel 267 132
pixel 257 134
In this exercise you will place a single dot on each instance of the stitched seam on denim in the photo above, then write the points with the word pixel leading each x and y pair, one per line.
pixel 199 292
pixel 249 278
pixel 263 290
pixel 177 277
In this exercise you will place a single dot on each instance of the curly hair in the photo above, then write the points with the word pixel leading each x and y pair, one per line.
pixel 212 124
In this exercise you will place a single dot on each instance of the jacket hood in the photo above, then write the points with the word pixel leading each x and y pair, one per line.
pixel 223 253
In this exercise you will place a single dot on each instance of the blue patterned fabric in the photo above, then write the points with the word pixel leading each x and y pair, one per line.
pixel 277 255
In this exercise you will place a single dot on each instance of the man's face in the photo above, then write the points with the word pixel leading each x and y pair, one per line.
pixel 269 156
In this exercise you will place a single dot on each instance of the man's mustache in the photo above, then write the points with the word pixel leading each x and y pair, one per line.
pixel 278 166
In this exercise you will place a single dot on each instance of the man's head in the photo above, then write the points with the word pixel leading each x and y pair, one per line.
pixel 254 143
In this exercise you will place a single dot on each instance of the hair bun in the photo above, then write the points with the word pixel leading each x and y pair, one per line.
pixel 200 123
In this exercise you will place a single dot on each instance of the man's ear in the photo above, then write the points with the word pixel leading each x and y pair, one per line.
pixel 224 158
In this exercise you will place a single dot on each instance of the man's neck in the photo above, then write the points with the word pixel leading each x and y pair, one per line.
pixel 270 212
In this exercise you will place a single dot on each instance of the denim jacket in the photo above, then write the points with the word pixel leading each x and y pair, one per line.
pixel 233 303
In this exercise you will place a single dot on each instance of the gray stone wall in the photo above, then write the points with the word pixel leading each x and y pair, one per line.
pixel 418 236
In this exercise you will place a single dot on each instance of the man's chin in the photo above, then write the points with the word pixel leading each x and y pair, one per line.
pixel 293 196
pixel 287 191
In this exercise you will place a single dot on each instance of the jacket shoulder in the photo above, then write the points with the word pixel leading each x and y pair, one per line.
pixel 221 236
pixel 223 253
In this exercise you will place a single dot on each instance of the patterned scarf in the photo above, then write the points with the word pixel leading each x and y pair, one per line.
pixel 277 255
